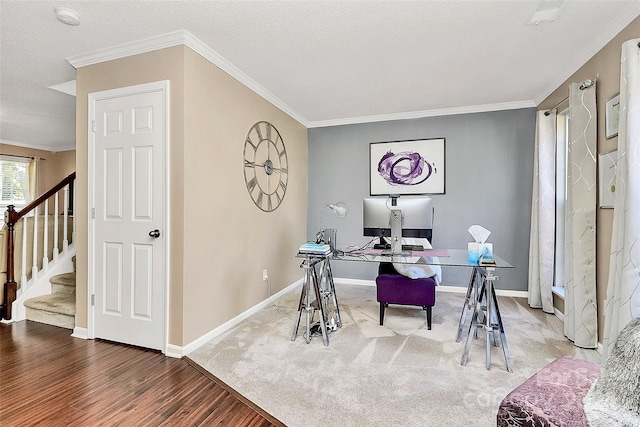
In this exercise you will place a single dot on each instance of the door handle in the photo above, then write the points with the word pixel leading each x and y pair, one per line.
pixel 154 233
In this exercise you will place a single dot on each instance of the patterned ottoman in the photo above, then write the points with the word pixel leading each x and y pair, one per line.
pixel 551 397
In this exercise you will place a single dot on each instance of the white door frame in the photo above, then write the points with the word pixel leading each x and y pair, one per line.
pixel 94 97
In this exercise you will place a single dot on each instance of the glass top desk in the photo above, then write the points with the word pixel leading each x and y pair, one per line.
pixel 480 301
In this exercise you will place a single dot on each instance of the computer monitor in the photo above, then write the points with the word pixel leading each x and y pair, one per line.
pixel 415 213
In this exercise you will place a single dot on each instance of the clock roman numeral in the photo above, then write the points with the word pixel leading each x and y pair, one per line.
pixel 259 199
pixel 282 185
pixel 252 184
pixel 255 147
pixel 258 131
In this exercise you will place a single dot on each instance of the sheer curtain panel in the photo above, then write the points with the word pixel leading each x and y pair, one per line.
pixel 541 246
pixel 580 314
pixel 623 290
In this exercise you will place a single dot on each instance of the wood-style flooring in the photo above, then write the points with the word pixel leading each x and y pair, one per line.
pixel 49 378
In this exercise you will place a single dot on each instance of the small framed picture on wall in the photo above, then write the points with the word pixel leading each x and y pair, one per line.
pixel 612 116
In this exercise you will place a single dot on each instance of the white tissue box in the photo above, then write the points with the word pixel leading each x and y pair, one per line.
pixel 476 250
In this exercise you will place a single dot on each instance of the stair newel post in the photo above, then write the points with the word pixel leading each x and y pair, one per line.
pixel 56 221
pixel 45 238
pixel 10 287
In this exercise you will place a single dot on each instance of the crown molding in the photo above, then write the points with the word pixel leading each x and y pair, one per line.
pixel 425 113
pixel 177 38
pixel 56 149
pixel 591 49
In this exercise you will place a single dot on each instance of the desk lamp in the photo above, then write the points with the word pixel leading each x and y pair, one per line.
pixel 340 210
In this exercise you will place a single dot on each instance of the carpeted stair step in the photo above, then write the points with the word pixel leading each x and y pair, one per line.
pixel 63 283
pixel 57 309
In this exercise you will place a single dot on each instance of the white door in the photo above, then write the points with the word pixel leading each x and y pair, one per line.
pixel 129 136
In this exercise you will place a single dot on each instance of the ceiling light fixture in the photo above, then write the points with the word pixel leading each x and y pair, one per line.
pixel 67 16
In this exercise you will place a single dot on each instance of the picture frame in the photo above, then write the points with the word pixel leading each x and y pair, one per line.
pixel 409 167
pixel 607 178
pixel 612 116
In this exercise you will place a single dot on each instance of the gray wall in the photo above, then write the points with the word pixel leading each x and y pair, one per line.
pixel 489 170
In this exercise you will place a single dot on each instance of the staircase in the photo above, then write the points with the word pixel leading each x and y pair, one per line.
pixel 59 307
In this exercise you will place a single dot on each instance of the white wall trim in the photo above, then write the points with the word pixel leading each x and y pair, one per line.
pixel 177 351
pixel 558 314
pixel 182 37
pixel 81 333
pixel 176 38
pixel 56 149
pixel 425 113
pixel 441 288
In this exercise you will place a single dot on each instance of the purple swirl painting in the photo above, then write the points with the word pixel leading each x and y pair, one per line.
pixel 404 168
pixel 407 167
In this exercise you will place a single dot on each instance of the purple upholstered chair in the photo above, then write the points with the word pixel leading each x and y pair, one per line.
pixel 394 288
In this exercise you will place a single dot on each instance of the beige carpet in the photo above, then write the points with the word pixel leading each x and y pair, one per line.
pixel 399 374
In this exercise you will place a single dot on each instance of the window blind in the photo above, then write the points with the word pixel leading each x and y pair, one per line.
pixel 14 182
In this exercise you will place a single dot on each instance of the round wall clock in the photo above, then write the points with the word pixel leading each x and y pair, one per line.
pixel 266 170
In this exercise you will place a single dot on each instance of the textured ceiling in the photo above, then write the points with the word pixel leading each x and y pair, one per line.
pixel 331 62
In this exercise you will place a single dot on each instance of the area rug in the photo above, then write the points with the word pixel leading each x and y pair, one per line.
pixel 399 374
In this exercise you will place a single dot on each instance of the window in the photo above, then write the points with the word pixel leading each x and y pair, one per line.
pixel 14 173
pixel 562 139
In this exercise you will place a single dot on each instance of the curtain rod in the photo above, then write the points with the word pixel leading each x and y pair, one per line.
pixel 584 85
pixel 22 157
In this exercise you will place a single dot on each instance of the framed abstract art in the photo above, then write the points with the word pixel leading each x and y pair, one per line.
pixel 407 167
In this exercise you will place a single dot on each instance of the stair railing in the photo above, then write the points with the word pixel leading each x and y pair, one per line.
pixel 12 217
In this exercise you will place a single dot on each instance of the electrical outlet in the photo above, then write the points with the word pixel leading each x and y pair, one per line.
pixel 265 276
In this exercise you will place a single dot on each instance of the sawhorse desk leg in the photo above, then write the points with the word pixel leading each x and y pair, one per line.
pixel 469 302
pixel 310 306
pixel 494 331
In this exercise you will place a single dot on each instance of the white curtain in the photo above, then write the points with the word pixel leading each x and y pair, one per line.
pixel 580 314
pixel 541 246
pixel 623 291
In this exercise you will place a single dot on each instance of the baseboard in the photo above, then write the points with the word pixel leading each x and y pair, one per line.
pixel 82 333
pixel 174 351
pixel 177 351
pixel 356 282
pixel 441 288
pixel 558 314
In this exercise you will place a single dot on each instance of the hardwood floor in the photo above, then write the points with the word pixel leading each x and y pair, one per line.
pixel 49 378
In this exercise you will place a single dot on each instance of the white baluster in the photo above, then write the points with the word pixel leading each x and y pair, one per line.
pixel 45 238
pixel 34 267
pixel 65 239
pixel 75 205
pixel 56 220
pixel 23 260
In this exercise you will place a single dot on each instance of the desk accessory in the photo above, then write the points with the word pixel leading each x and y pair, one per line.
pixel 476 249
pixel 314 248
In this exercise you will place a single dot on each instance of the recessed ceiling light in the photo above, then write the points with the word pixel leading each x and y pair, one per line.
pixel 67 16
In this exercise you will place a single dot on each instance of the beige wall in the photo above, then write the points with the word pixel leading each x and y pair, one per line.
pixel 605 67
pixel 52 166
pixel 228 241
pixel 220 242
